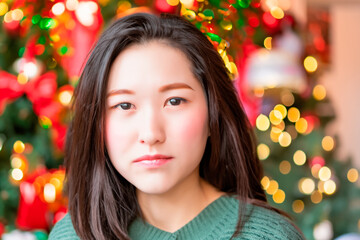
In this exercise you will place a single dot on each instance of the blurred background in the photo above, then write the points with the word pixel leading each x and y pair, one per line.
pixel 295 64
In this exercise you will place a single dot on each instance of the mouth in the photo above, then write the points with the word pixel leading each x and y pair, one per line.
pixel 152 161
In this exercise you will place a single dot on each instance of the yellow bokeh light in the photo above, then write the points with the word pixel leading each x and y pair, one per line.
pixel 267 43
pixel 19 146
pixel 327 143
pixel 324 173
pixel 273 187
pixel 299 157
pixel 287 98
pixel 319 92
pixel 8 17
pixel 22 78
pixel 3 8
pixel 58 8
pixel 316 197
pixel 298 206
pixel 16 162
pixel 315 170
pixel 65 97
pixel 187 2
pixel 17 14
pixel 285 167
pixel 275 134
pixel 306 185
pixel 259 92
pixel 56 182
pixel 279 196
pixel 263 151
pixel 284 139
pixel 262 122
pixel 265 182
pixel 17 174
pixel 301 125
pixel 329 187
pixel 49 193
pixel 353 175
pixel 275 117
pixel 173 2
pixel 282 109
pixel 293 114
pixel 277 12
pixel 281 126
pixel 310 64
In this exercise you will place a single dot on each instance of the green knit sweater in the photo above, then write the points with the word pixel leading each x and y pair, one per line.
pixel 216 221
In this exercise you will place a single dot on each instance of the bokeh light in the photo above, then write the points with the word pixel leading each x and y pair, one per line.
pixel 285 167
pixel 298 206
pixel 65 97
pixel 282 109
pixel 293 114
pixel 49 193
pixel 353 175
pixel 316 197
pixel 262 122
pixel 301 125
pixel 324 173
pixel 284 139
pixel 319 92
pixel 275 134
pixel 273 187
pixel 287 98
pixel 58 8
pixel 3 8
pixel 19 146
pixel 306 185
pixel 17 174
pixel 275 117
pixel 277 12
pixel 310 64
pixel 265 182
pixel 263 151
pixel 267 43
pixel 329 187
pixel 299 157
pixel 279 196
pixel 327 143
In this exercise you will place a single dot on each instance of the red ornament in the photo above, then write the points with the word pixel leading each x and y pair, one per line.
pixel 163 7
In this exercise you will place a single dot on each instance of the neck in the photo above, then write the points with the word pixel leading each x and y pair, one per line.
pixel 172 210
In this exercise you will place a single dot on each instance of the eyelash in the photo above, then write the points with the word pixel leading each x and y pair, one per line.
pixel 128 105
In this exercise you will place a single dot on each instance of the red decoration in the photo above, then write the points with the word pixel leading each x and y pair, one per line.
pixel 79 39
pixel 30 205
pixel 163 7
pixel 250 103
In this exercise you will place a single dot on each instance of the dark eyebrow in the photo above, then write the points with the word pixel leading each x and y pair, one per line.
pixel 162 89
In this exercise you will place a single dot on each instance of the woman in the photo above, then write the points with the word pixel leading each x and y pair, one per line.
pixel 159 147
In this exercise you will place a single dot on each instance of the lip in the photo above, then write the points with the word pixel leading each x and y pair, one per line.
pixel 153 161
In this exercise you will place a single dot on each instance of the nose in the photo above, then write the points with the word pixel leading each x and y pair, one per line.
pixel 151 129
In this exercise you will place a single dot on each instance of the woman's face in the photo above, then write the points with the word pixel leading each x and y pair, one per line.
pixel 156 118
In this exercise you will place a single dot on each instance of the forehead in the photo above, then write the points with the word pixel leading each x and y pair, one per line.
pixel 155 61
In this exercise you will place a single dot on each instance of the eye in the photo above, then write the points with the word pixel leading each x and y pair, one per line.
pixel 124 106
pixel 176 101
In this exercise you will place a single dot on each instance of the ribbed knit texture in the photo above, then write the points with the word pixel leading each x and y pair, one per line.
pixel 216 221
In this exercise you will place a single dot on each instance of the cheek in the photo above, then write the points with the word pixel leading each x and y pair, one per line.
pixel 194 126
pixel 116 136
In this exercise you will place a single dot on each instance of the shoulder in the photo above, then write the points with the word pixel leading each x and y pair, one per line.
pixel 264 223
pixel 63 229
pixel 261 223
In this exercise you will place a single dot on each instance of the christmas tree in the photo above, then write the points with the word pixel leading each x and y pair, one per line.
pixel 43 45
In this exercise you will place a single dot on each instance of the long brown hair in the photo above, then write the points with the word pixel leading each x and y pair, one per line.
pixel 102 204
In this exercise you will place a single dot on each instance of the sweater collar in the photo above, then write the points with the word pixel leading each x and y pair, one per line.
pixel 214 213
